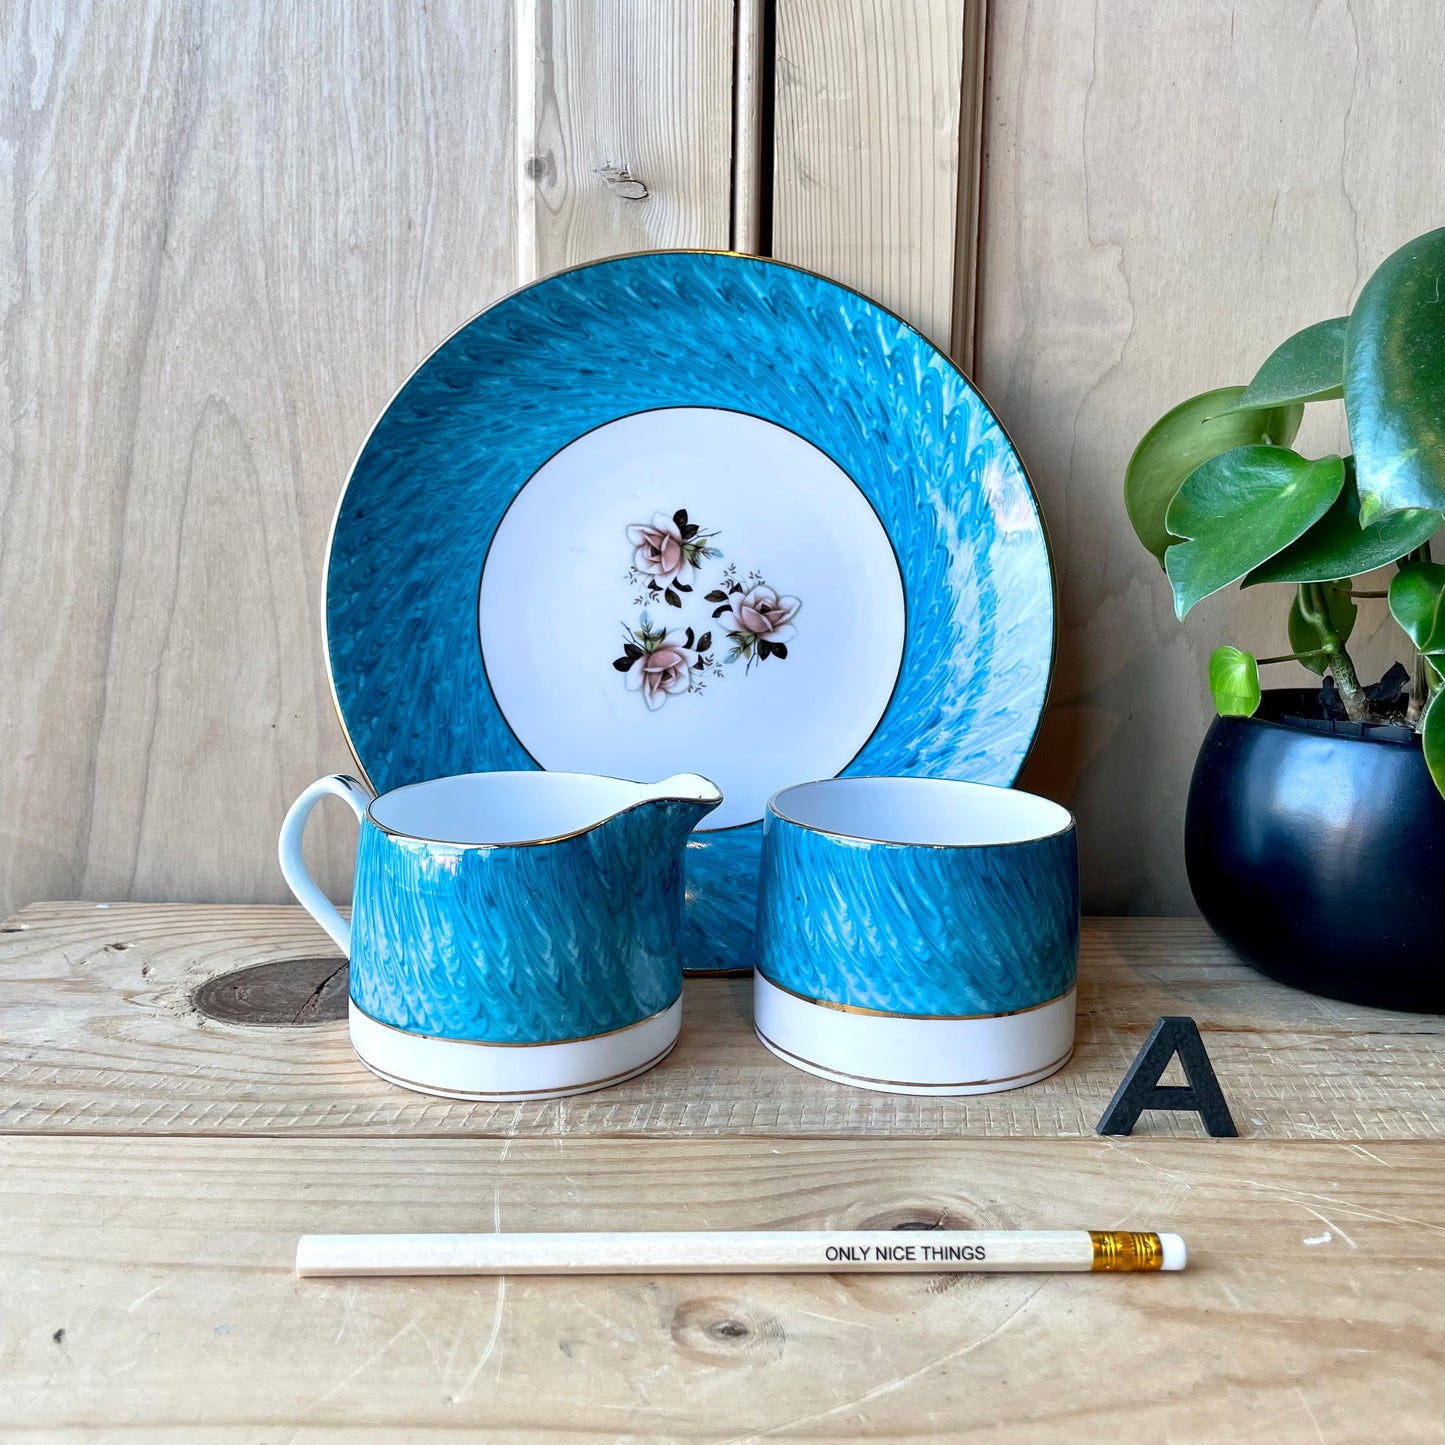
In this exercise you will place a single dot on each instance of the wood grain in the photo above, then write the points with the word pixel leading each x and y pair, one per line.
pixel 149 1294
pixel 100 1036
pixel 866 149
pixel 1168 194
pixel 624 134
pixel 231 232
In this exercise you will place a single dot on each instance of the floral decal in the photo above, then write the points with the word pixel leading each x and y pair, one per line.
pixel 760 622
pixel 666 551
pixel 661 662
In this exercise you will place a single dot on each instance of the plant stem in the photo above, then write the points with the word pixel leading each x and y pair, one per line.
pixel 1314 607
pixel 1419 673
pixel 1291 657
pixel 1347 592
pixel 1415 712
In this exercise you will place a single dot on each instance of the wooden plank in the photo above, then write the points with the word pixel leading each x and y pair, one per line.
pixel 148 1294
pixel 100 1037
pixel 269 215
pixel 1169 193
pixel 866 149
pixel 624 128
pixel 233 229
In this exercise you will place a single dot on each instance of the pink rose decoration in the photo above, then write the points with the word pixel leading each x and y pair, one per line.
pixel 659 551
pixel 663 671
pixel 765 615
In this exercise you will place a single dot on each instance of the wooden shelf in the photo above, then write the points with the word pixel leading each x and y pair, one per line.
pixel 100 1037
pixel 149 1220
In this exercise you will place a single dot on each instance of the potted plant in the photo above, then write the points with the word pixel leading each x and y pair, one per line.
pixel 1315 828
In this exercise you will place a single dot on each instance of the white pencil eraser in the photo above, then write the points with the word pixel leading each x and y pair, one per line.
pixel 1175 1254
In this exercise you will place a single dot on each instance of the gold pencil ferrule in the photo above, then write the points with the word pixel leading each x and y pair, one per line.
pixel 1125 1251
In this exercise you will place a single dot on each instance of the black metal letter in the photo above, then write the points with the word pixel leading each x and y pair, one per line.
pixel 1142 1090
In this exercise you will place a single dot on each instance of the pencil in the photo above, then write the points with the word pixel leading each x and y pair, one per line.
pixel 743 1252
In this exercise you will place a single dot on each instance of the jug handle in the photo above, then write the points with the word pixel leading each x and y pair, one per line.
pixel 293 865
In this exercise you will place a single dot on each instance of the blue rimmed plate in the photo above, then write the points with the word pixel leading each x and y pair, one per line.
pixel 690 511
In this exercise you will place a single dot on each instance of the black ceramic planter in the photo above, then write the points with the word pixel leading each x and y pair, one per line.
pixel 1317 851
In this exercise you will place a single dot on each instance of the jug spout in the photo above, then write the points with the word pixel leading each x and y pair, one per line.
pixel 697 795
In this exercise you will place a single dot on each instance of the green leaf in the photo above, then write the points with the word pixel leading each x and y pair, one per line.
pixel 1305 637
pixel 1395 381
pixel 1234 682
pixel 1432 735
pixel 1417 603
pixel 1238 510
pixel 1310 366
pixel 1337 546
pixel 1182 439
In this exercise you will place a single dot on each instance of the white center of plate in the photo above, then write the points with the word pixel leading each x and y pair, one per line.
pixel 598 594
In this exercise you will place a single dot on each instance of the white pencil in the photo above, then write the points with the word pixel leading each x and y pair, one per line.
pixel 741 1252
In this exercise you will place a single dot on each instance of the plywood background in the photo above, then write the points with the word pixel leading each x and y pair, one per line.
pixel 866 149
pixel 1169 191
pixel 231 231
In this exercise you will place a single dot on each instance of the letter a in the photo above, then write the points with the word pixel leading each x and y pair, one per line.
pixel 1142 1090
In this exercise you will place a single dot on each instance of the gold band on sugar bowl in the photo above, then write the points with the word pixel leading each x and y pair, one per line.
pixel 1124 1251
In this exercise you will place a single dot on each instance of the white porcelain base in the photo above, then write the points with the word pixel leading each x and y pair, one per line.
pixel 915 1055
pixel 460 1069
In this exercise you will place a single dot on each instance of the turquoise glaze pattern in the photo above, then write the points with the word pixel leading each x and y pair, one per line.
pixel 522 944
pixel 925 931
pixel 689 329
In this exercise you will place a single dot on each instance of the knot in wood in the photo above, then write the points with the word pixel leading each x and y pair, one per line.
pixel 726 1332
pixel 916 1216
pixel 290 993
pixel 623 184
